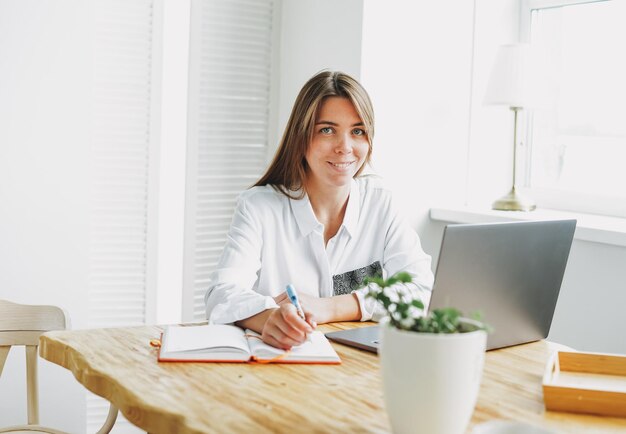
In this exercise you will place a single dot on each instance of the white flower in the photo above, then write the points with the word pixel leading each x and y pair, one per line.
pixel 414 312
pixel 407 323
pixel 396 316
pixel 392 294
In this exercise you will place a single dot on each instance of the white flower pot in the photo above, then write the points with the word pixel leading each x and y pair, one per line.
pixel 431 381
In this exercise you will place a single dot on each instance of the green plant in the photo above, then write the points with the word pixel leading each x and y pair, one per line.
pixel 407 313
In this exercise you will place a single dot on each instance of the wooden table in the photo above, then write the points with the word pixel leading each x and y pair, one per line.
pixel 119 365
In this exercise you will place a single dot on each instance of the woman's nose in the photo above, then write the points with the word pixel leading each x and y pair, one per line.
pixel 344 144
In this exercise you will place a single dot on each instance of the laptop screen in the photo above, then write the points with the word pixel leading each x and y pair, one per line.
pixel 510 272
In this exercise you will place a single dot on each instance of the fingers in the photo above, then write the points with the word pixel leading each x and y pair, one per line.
pixel 310 318
pixel 284 328
pixel 271 340
pixel 276 338
pixel 305 300
pixel 308 315
pixel 293 325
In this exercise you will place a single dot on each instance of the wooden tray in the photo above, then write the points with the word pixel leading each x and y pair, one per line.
pixel 586 383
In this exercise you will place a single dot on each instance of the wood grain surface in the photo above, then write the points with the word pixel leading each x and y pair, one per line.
pixel 121 366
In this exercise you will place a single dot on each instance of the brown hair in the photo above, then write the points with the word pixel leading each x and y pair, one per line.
pixel 287 171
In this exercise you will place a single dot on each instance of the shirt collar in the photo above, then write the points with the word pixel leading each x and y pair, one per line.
pixel 303 212
pixel 307 222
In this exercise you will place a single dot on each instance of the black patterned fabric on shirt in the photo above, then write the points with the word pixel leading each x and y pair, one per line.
pixel 347 282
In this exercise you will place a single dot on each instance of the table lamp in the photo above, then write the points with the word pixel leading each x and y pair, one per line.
pixel 510 85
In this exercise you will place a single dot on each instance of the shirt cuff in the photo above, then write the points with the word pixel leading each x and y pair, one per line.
pixel 228 313
pixel 370 308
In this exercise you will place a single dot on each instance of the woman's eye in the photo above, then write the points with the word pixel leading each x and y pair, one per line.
pixel 358 132
pixel 326 130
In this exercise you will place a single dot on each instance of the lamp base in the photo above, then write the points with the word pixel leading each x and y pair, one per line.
pixel 514 202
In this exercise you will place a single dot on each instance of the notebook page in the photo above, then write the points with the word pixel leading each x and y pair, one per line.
pixel 316 348
pixel 204 337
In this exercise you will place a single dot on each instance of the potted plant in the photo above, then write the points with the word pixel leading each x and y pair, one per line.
pixel 431 362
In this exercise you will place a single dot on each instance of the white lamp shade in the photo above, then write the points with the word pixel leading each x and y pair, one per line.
pixel 511 78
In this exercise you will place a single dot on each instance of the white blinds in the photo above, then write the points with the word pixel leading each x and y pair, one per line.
pixel 123 147
pixel 229 99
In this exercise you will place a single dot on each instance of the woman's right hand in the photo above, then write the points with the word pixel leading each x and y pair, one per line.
pixel 284 328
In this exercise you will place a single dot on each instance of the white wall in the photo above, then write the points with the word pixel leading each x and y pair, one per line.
pixel 45 71
pixel 416 65
pixel 315 35
pixel 172 159
pixel 590 311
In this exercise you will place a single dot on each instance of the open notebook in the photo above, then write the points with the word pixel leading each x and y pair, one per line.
pixel 226 343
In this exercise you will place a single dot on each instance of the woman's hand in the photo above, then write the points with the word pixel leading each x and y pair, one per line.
pixel 320 308
pixel 284 328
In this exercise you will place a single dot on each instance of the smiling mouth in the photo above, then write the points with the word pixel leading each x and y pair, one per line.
pixel 341 165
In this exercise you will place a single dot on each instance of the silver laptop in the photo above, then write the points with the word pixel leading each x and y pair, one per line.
pixel 511 272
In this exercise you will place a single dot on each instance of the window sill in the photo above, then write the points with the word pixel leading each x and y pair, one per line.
pixel 594 228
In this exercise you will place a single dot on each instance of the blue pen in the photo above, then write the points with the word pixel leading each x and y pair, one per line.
pixel 291 293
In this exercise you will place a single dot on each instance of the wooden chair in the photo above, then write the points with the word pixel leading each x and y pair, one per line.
pixel 22 325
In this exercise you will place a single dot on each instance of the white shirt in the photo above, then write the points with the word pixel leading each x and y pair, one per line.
pixel 274 240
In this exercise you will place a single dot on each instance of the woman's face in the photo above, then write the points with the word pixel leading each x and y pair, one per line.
pixel 339 145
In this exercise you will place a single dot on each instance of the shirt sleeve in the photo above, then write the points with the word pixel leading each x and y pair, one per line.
pixel 402 252
pixel 231 296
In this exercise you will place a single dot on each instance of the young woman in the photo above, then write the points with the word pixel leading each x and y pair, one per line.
pixel 313 222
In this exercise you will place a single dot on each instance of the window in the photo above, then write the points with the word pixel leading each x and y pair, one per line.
pixel 577 136
pixel 124 146
pixel 230 73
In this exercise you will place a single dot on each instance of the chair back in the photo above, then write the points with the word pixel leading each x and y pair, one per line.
pixel 22 325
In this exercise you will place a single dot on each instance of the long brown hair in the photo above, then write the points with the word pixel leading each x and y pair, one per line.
pixel 287 172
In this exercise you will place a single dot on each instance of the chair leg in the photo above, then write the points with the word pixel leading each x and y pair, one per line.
pixel 33 397
pixel 4 352
pixel 31 385
pixel 110 421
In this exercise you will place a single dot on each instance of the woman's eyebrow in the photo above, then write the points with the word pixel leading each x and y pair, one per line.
pixel 358 124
